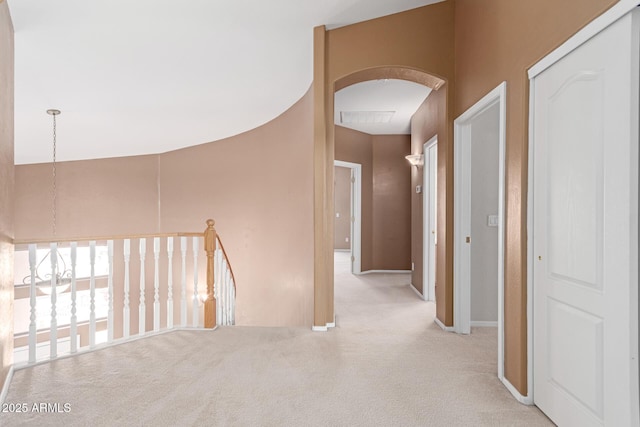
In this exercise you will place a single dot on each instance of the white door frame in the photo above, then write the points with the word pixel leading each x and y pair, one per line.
pixel 428 285
pixel 356 213
pixel 462 215
pixel 614 13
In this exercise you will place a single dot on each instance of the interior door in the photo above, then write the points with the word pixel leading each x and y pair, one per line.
pixel 585 231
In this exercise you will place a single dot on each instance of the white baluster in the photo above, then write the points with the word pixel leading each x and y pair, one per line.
pixel 183 282
pixel 126 310
pixel 92 294
pixel 110 285
pixel 32 303
pixel 170 283
pixel 142 309
pixel 223 291
pixel 233 302
pixel 225 286
pixel 73 327
pixel 156 284
pixel 196 317
pixel 53 344
pixel 216 284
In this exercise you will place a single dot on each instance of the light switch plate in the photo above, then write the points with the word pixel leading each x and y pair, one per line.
pixel 492 220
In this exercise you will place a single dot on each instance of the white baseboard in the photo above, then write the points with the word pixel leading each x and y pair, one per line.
pixel 416 291
pixel 326 327
pixel 332 324
pixel 342 250
pixel 386 271
pixel 444 328
pixel 114 343
pixel 5 387
pixel 484 324
pixel 525 400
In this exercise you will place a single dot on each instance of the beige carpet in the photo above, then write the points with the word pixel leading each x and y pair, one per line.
pixel 385 364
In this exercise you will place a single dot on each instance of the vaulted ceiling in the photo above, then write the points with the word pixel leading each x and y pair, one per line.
pixel 149 76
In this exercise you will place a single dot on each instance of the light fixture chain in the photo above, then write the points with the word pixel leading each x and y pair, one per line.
pixel 55 192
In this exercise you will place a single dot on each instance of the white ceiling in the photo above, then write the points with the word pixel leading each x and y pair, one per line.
pixel 389 95
pixel 149 76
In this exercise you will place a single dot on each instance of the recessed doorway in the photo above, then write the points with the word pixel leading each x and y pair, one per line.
pixel 479 154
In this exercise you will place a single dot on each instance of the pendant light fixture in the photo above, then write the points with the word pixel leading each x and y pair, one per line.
pixel 54 190
pixel 44 271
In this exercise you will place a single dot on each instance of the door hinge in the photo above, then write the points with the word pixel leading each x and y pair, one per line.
pixel 468 239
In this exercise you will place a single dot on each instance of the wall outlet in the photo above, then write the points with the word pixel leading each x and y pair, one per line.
pixel 418 189
pixel 337 214
pixel 413 266
pixel 346 239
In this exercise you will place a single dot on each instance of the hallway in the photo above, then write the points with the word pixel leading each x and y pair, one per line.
pixel 385 363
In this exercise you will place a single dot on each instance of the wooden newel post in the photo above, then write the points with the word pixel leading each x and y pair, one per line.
pixel 210 248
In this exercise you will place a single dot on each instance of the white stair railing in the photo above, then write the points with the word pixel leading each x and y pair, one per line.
pixel 224 289
pixel 79 293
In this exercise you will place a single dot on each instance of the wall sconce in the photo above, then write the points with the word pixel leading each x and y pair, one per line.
pixel 416 160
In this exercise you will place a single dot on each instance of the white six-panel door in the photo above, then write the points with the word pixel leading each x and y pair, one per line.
pixel 585 231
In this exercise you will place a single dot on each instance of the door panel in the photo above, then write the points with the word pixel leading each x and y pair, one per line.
pixel 585 168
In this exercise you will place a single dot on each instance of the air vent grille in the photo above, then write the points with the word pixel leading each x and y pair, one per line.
pixel 353 117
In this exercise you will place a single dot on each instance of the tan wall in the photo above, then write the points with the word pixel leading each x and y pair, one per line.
pixel 391 202
pixel 257 186
pixel 418 41
pixel 6 192
pixel 342 232
pixel 499 40
pixel 95 197
pixel 386 207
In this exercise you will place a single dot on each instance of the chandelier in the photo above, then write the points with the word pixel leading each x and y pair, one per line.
pixel 44 272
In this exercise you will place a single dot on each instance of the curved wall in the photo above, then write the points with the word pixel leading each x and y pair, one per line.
pixel 257 186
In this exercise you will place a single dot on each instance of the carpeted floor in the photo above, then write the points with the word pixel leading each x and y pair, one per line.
pixel 385 364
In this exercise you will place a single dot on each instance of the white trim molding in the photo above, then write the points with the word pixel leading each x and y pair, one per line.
pixel 332 324
pixel 319 328
pixel 442 326
pixel 427 210
pixel 525 400
pixel 385 272
pixel 530 244
pixel 7 383
pixel 616 12
pixel 416 291
pixel 356 213
pixel 484 324
pixel 461 275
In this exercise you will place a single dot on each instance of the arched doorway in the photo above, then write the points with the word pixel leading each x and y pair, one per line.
pixel 436 123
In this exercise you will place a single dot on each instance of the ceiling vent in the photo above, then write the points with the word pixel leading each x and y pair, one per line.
pixel 353 117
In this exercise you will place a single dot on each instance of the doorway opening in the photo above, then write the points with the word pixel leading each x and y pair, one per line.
pixel 429 198
pixel 479 158
pixel 348 211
